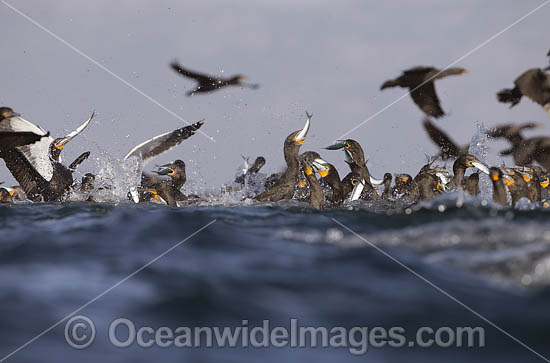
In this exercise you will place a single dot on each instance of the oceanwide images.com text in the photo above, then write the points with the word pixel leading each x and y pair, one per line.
pixel 80 333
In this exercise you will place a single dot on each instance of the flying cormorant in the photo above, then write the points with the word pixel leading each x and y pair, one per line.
pixel 420 82
pixel 207 83
pixel 533 83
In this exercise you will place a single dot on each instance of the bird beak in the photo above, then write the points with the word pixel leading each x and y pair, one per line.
pixel 480 166
pixel 134 194
pixel 10 190
pixel 337 146
pixel 302 135
pixel 404 179
pixel 464 72
pixel 321 167
pixel 494 177
pixel 544 183
pixel 357 190
pixel 308 169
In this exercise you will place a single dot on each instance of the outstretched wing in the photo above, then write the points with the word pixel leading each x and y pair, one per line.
pixel 426 98
pixel 37 154
pixel 199 77
pixel 10 140
pixel 163 143
pixel 447 146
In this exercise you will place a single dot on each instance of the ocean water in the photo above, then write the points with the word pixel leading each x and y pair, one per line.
pixel 365 265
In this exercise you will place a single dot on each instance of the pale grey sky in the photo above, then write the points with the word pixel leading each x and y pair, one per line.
pixel 327 57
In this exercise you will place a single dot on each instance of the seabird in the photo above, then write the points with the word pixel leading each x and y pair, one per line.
pixel 355 157
pixel 387 193
pixel 516 185
pixel 533 83
pixel 207 83
pixel 406 188
pixel 329 174
pixel 449 149
pixel 420 82
pixel 285 187
pixel 460 165
pixel 316 196
pixel 250 170
pixel 499 192
pixel 5 196
pixel 37 167
pixel 150 149
pixel 524 151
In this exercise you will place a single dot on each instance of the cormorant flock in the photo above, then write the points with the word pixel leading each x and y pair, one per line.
pixel 34 158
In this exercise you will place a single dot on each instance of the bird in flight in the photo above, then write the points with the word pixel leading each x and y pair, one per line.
pixel 207 83
pixel 420 82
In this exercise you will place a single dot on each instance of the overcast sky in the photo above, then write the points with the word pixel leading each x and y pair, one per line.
pixel 327 57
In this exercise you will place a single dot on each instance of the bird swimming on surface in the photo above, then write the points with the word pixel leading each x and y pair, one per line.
pixel 329 174
pixel 534 84
pixel 406 188
pixel 499 191
pixel 250 170
pixel 5 196
pixel 37 167
pixel 355 158
pixel 449 149
pixel 316 196
pixel 428 181
pixel 420 82
pixel 516 185
pixel 462 182
pixel 207 83
pixel 285 187
pixel 524 150
pixel 387 193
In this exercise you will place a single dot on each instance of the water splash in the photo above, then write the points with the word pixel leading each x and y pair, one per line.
pixel 478 147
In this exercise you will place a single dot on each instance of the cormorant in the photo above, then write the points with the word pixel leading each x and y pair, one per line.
pixel 459 169
pixel 285 187
pixel 329 174
pixel 420 82
pixel 533 83
pixel 499 192
pixel 355 157
pixel 516 185
pixel 37 167
pixel 5 196
pixel 449 149
pixel 471 184
pixel 207 83
pixel 250 170
pixel 406 188
pixel 524 151
pixel 316 196
pixel 532 180
pixel 387 186
pixel 146 151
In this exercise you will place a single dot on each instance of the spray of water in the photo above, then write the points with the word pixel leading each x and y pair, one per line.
pixel 478 148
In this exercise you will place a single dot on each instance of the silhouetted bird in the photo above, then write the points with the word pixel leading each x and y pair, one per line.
pixel 420 82
pixel 207 83
pixel 533 83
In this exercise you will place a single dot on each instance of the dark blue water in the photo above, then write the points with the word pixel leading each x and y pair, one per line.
pixel 274 262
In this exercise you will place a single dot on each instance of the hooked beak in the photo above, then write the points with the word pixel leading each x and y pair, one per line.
pixel 308 168
pixel 480 166
pixel 544 183
pixel 302 135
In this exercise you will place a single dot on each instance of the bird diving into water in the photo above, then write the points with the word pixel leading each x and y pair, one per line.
pixel 208 83
pixel 37 167
pixel 420 82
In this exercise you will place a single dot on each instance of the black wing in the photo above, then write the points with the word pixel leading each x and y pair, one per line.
pixel 199 77
pixel 448 147
pixel 426 98
pixel 10 140
pixel 79 160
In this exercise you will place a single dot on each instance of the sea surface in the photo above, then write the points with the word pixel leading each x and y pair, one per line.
pixel 452 262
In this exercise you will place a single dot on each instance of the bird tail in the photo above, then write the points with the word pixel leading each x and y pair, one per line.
pixel 509 95
pixel 390 83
